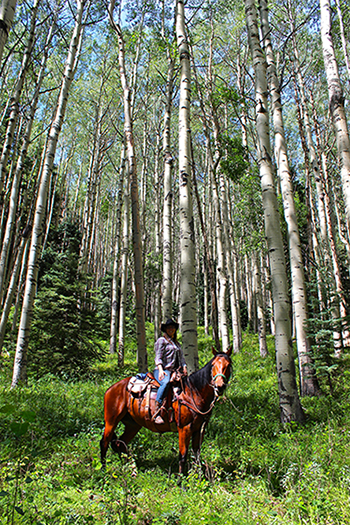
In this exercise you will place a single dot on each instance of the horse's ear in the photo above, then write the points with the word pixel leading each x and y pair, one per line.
pixel 214 351
pixel 229 351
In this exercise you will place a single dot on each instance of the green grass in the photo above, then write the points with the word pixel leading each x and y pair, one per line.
pixel 254 470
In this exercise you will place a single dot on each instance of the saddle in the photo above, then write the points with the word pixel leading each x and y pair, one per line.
pixel 138 384
pixel 145 386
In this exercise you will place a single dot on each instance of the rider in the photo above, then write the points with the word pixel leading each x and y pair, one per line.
pixel 168 357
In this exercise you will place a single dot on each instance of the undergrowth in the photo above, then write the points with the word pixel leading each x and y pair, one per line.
pixel 254 470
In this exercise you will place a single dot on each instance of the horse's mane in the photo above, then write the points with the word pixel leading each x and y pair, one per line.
pixel 202 377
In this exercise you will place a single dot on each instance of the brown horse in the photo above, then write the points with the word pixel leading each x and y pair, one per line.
pixel 188 412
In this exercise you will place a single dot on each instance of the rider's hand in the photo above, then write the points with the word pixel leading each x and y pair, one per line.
pixel 161 373
pixel 185 370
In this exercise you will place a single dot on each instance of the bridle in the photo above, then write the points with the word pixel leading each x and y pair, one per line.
pixel 194 407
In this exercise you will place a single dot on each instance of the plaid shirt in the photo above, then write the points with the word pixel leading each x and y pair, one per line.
pixel 168 354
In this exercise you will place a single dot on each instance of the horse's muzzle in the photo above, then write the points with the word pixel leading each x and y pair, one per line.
pixel 221 389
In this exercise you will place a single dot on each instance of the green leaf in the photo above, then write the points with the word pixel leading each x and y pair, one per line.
pixel 3 493
pixel 28 479
pixel 19 429
pixel 28 415
pixel 7 409
pixel 20 511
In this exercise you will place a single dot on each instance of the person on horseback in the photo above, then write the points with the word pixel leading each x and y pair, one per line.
pixel 168 357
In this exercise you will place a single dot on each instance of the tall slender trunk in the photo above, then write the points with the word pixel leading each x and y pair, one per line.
pixel 290 406
pixel 158 243
pixel 11 290
pixel 167 306
pixel 260 306
pixel 187 241
pixel 336 102
pixel 343 38
pixel 136 230
pixel 308 381
pixel 124 275
pixel 7 13
pixel 20 364
pixel 116 255
pixel 14 103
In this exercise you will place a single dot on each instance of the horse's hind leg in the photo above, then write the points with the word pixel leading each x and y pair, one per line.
pixel 115 409
pixel 130 431
pixel 105 441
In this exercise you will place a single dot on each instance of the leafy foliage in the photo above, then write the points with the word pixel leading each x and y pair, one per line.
pixel 234 156
pixel 254 470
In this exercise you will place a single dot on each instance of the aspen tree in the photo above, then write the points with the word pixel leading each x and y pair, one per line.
pixel 7 13
pixel 136 230
pixel 116 254
pixel 260 306
pixel 343 38
pixel 168 197
pixel 158 243
pixel 336 102
pixel 209 258
pixel 19 369
pixel 308 382
pixel 15 98
pixel 290 406
pixel 216 179
pixel 187 250
pixel 124 273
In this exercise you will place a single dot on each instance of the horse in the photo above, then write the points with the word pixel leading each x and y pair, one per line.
pixel 188 412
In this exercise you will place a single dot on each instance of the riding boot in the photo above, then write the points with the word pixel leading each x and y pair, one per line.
pixel 157 418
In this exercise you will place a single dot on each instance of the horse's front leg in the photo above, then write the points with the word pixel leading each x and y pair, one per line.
pixel 184 441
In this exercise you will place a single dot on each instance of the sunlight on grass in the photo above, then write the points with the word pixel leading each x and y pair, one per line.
pixel 254 471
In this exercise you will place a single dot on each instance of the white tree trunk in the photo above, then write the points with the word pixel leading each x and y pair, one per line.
pixel 288 394
pixel 187 248
pixel 19 369
pixel 14 102
pixel 336 102
pixel 308 383
pixel 116 255
pixel 167 293
pixel 7 13
pixel 136 230
pixel 124 275
pixel 11 290
pixel 260 306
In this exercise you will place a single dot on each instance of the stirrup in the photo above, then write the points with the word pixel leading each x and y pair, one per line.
pixel 157 415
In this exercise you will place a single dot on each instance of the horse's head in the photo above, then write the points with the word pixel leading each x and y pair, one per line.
pixel 221 370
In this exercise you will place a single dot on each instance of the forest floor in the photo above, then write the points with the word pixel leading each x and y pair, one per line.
pixel 254 470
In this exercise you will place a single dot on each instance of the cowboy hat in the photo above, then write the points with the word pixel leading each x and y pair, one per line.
pixel 169 322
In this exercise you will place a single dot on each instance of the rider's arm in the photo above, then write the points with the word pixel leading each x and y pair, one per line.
pixel 159 348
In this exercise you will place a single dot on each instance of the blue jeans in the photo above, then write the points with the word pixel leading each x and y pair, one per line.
pixel 164 384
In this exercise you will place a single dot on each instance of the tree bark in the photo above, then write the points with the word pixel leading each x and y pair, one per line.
pixel 136 230
pixel 14 102
pixel 7 13
pixel 336 102
pixel 124 276
pixel 116 255
pixel 167 292
pixel 290 406
pixel 187 242
pixel 308 382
